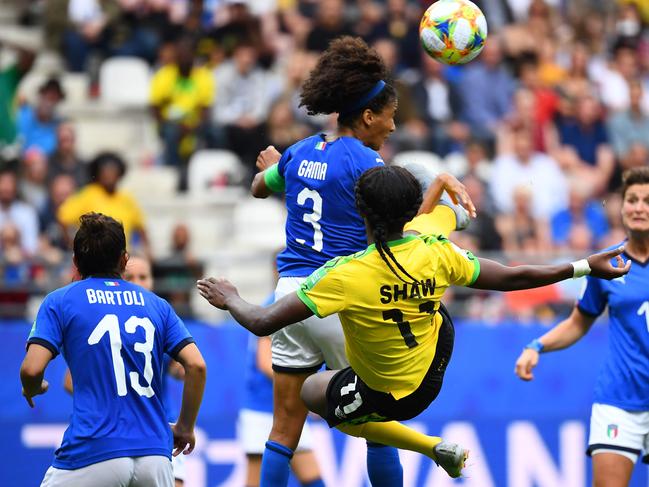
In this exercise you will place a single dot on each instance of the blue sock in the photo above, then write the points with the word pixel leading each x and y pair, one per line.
pixel 314 483
pixel 275 465
pixel 383 466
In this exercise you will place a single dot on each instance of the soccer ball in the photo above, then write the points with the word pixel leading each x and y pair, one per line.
pixel 453 31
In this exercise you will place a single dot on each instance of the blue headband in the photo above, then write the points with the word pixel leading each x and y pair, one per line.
pixel 365 99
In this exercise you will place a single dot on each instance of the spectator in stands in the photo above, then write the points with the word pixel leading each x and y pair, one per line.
pixel 581 210
pixel 614 82
pixel 411 131
pixel 15 273
pixel 482 234
pixel 577 82
pixel 181 95
pixel 521 230
pixel 102 194
pixel 486 90
pixel 17 213
pixel 10 77
pixel 630 127
pixel 176 273
pixel 37 125
pixel 438 103
pixel 537 171
pixel 585 133
pixel 65 159
pixel 244 96
pixel 238 26
pixel 282 129
pixel 298 66
pixel 400 23
pixel 52 236
pixel 330 23
pixel 33 181
pixel 88 30
pixel 473 161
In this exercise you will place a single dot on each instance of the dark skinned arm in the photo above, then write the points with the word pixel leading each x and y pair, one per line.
pixel 261 321
pixel 498 277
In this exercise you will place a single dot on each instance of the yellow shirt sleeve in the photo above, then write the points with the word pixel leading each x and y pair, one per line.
pixel 440 221
pixel 205 88
pixel 161 86
pixel 136 216
pixel 72 208
pixel 323 291
pixel 462 268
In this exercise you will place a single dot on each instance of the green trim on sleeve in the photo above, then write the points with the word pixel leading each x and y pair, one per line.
pixel 476 267
pixel 273 179
pixel 309 304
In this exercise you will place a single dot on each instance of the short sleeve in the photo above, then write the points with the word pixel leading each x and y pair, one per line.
pixel 281 165
pixel 205 89
pixel 176 334
pixel 592 300
pixel 47 329
pixel 137 218
pixel 159 91
pixel 461 266
pixel 71 209
pixel 323 291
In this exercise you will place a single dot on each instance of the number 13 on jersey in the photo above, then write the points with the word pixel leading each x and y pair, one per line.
pixel 110 324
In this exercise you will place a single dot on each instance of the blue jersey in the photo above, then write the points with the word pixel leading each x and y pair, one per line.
pixel 322 221
pixel 112 335
pixel 258 392
pixel 624 378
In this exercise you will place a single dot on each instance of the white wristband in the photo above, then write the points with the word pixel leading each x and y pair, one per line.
pixel 580 268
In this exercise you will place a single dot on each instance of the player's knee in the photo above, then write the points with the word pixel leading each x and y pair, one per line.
pixel 313 394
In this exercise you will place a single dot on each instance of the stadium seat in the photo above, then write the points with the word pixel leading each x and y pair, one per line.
pixel 125 81
pixel 428 159
pixel 259 223
pixel 213 168
pixel 154 182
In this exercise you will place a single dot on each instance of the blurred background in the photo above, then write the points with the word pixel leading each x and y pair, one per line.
pixel 539 128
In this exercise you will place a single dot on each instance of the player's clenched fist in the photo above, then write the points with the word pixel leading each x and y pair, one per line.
pixel 267 158
pixel 527 360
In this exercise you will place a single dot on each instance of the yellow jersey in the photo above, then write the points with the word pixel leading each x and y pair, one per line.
pixel 391 327
pixel 93 197
pixel 182 99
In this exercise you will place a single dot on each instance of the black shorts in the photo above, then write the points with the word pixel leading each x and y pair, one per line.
pixel 350 400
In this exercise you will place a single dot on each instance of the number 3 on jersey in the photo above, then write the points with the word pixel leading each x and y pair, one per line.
pixel 313 218
pixel 110 324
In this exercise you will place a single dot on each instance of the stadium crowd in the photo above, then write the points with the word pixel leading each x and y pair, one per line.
pixel 539 128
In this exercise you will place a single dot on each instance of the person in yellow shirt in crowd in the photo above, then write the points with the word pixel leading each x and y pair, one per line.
pixel 102 194
pixel 398 336
pixel 181 95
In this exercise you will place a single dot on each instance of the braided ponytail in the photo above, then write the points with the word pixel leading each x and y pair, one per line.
pixel 388 197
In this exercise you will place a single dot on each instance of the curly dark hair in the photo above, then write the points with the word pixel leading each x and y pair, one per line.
pixel 345 72
pixel 635 175
pixel 98 245
pixel 388 197
pixel 105 158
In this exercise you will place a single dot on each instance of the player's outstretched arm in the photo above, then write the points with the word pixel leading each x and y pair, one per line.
pixel 498 277
pixel 259 320
pixel 195 374
pixel 32 371
pixel 565 334
pixel 265 160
